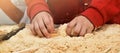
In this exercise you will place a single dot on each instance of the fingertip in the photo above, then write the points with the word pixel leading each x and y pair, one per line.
pixel 89 31
pixel 69 28
pixel 48 36
pixel 51 29
pixel 32 29
pixel 67 32
pixel 82 33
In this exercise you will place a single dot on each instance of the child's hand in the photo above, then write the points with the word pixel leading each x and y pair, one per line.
pixel 42 24
pixel 79 26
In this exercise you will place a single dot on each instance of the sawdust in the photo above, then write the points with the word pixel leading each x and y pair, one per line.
pixel 104 40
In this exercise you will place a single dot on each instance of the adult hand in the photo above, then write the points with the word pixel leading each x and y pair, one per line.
pixel 42 24
pixel 79 26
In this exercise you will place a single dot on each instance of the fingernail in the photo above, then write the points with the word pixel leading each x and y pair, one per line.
pixel 48 36
pixel 53 31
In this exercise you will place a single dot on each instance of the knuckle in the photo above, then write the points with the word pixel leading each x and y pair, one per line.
pixel 42 28
pixel 47 23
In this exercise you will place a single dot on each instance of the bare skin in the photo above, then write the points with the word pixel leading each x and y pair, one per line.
pixel 79 26
pixel 42 24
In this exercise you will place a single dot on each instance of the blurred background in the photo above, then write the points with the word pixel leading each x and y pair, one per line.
pixel 13 12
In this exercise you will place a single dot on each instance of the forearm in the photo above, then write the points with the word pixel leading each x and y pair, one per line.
pixel 101 11
pixel 11 10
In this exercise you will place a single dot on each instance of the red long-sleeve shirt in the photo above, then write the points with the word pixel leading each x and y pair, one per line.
pixel 99 12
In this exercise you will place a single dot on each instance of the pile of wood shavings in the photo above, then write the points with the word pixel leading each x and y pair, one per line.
pixel 104 40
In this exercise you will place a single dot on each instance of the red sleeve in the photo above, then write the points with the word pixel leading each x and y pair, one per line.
pixel 102 11
pixel 36 6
